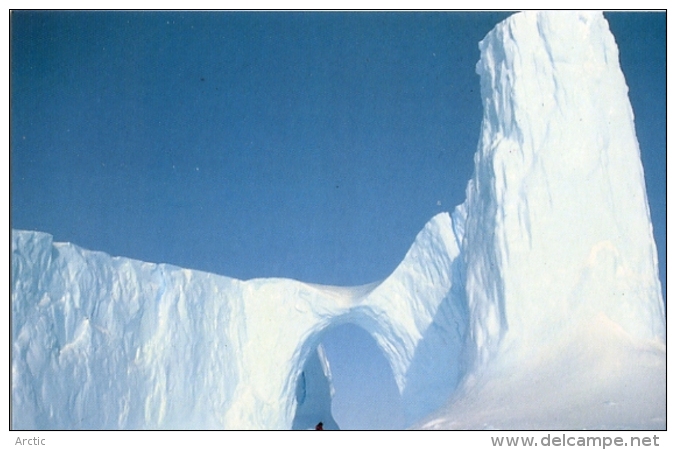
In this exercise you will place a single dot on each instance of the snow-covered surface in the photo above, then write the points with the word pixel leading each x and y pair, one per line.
pixel 537 305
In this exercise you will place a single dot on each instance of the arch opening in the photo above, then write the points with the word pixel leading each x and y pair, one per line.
pixel 360 392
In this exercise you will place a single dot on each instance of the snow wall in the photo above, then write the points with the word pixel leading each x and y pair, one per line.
pixel 551 251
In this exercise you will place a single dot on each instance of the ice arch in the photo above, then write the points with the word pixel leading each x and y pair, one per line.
pixel 414 305
pixel 347 367
pixel 167 347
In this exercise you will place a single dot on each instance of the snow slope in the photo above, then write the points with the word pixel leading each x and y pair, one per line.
pixel 537 305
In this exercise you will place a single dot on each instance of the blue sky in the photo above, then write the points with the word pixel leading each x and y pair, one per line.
pixel 312 146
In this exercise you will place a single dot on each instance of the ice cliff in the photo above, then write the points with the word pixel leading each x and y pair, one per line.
pixel 537 305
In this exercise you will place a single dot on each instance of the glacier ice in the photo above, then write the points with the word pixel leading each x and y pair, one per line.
pixel 535 304
pixel 165 347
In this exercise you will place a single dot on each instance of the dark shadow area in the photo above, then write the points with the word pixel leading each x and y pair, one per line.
pixel 439 363
pixel 313 395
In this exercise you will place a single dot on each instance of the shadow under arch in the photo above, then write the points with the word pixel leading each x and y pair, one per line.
pixel 344 363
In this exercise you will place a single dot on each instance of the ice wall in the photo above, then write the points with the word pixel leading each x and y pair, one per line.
pixel 557 213
pixel 107 343
pixel 165 347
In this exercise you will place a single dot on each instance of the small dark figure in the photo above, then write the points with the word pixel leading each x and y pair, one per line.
pixel 320 426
